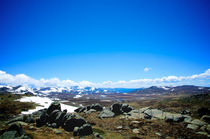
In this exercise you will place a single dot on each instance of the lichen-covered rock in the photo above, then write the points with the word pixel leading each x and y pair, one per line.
pixel 106 113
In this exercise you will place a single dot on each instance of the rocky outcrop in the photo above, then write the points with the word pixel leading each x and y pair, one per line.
pixel 90 108
pixel 54 117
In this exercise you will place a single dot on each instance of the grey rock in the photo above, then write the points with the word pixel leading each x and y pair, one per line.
pixel 202 133
pixel 106 113
pixel 192 126
pixel 198 122
pixel 155 113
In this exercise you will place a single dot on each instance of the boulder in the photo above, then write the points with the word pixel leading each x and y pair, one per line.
pixel 126 108
pixel 106 113
pixel 66 116
pixel 72 122
pixel 198 122
pixel 192 126
pixel 116 108
pixel 155 113
pixel 97 107
pixel 53 116
pixel 42 120
pixel 54 106
pixel 206 118
pixel 16 127
pixel 169 117
pixel 85 130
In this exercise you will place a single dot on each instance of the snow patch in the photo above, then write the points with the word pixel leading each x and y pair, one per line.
pixel 44 102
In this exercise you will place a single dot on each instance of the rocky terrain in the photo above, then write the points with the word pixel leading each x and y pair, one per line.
pixel 161 116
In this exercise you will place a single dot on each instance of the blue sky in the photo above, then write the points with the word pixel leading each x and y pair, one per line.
pixel 105 40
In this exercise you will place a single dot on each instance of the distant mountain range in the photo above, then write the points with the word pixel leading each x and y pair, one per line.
pixel 76 90
pixel 184 89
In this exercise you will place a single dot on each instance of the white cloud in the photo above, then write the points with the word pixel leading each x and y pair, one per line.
pixel 146 69
pixel 22 79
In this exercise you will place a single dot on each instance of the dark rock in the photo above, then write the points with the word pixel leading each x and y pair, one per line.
pixel 73 121
pixel 85 130
pixel 206 118
pixel 88 107
pixel 66 116
pixel 186 112
pixel 106 113
pixel 78 109
pixel 29 119
pixel 54 106
pixel 90 111
pixel 203 111
pixel 59 118
pixel 42 120
pixel 147 116
pixel 53 116
pixel 116 108
pixel 126 108
pixel 97 107
pixel 16 127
